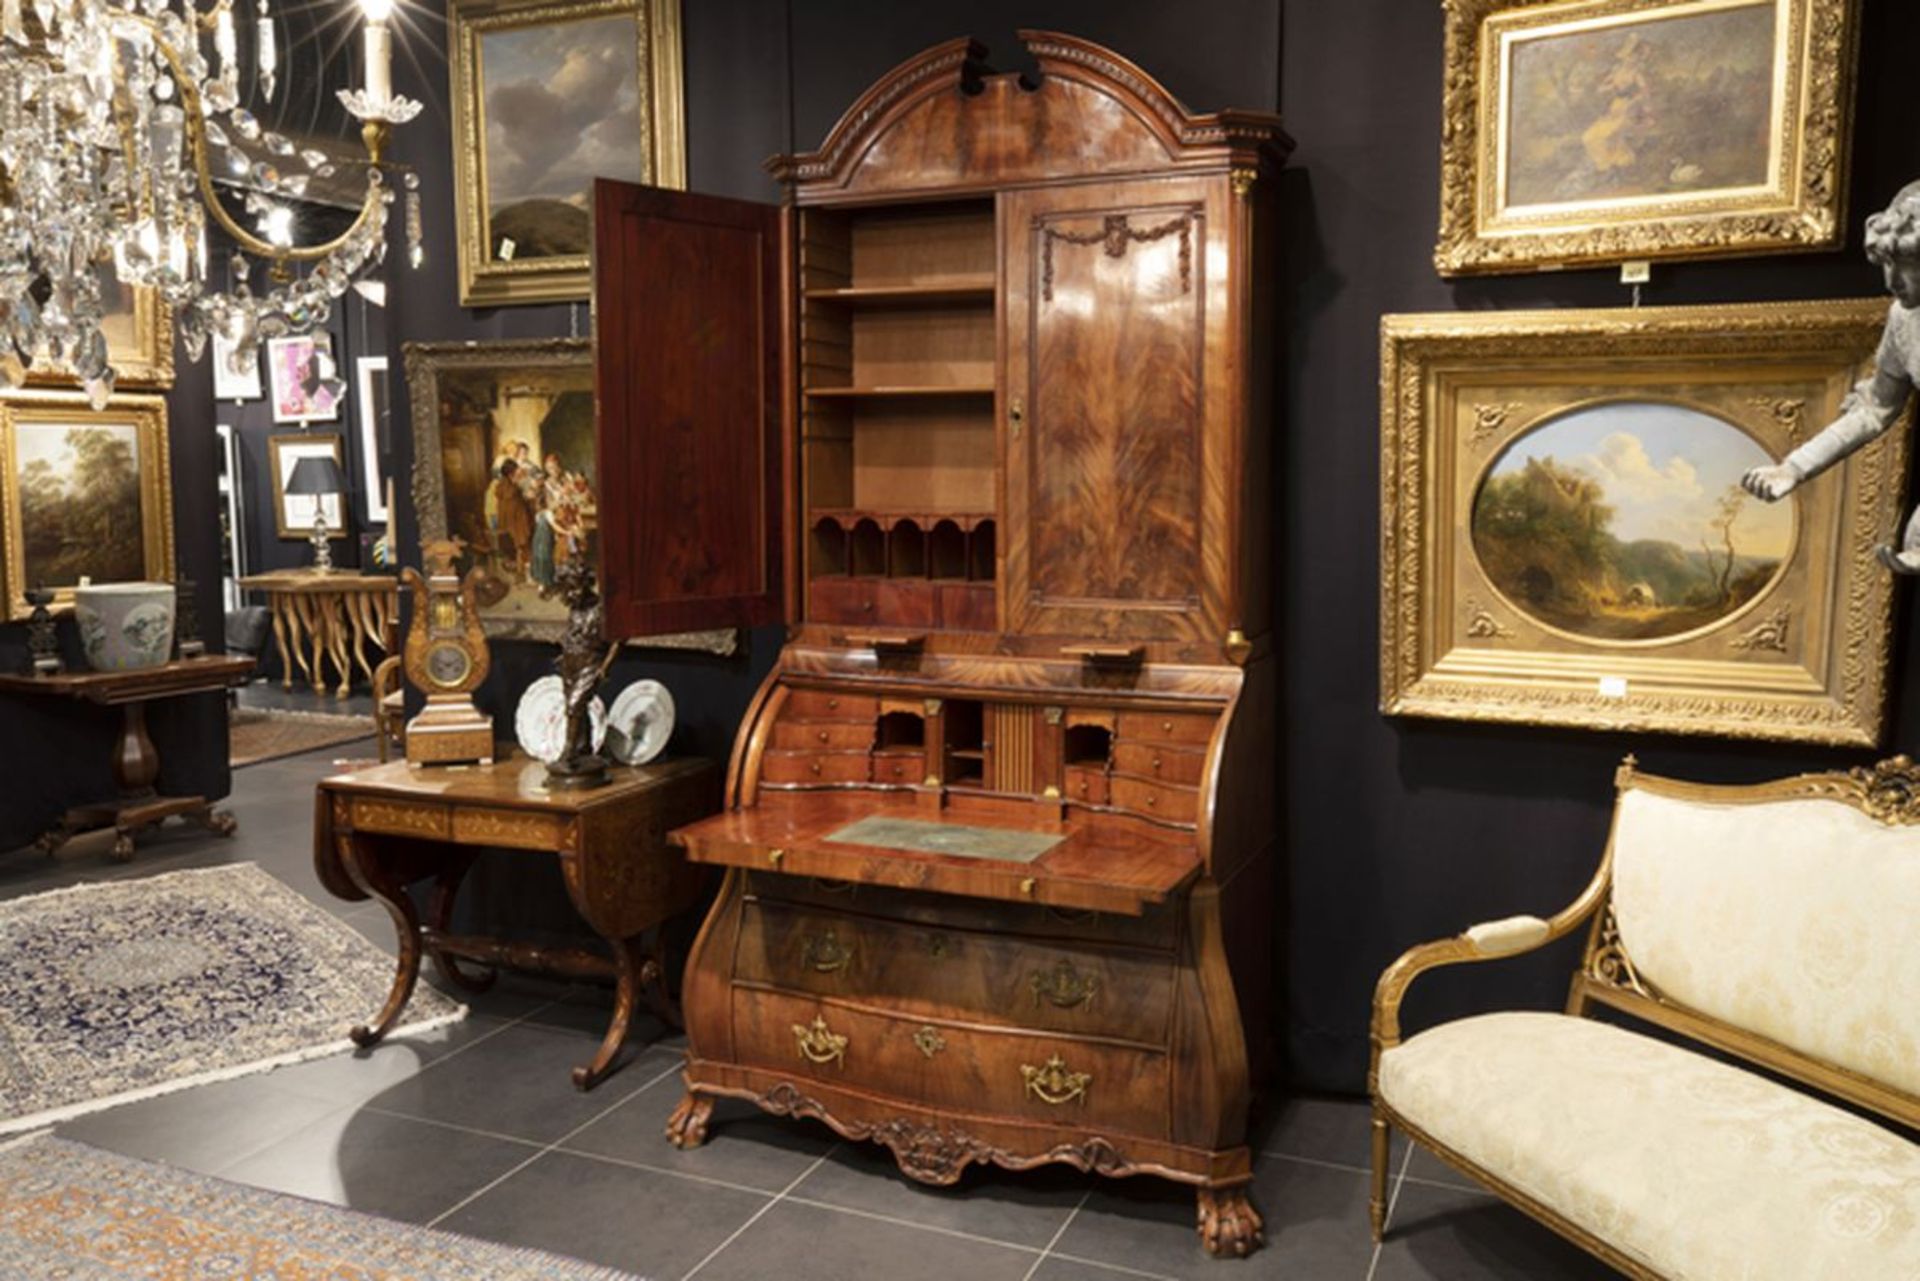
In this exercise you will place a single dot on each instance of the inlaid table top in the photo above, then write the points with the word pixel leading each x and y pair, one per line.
pixel 308 580
pixel 514 779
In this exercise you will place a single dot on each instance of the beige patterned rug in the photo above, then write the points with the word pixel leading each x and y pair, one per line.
pixel 67 1210
pixel 127 989
pixel 256 734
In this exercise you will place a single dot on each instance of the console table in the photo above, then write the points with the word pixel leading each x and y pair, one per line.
pixel 136 762
pixel 380 829
pixel 336 614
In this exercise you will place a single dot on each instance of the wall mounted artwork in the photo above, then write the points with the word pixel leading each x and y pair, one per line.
pixel 293 513
pixel 548 96
pixel 86 495
pixel 305 382
pixel 505 459
pixel 139 333
pixel 1564 538
pixel 1607 131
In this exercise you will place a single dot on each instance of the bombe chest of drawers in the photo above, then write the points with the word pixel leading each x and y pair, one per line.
pixel 983 413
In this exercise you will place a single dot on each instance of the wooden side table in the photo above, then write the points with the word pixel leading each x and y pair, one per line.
pixel 136 762
pixel 378 830
pixel 335 614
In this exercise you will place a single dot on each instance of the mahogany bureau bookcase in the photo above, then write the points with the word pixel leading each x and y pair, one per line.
pixel 984 413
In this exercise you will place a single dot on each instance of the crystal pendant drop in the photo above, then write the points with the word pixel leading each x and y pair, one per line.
pixel 244 124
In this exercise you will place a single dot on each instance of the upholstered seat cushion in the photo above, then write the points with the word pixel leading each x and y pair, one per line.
pixel 1699 1171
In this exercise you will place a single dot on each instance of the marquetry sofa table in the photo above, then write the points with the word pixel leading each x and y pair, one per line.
pixel 336 614
pixel 378 830
pixel 1773 923
pixel 136 762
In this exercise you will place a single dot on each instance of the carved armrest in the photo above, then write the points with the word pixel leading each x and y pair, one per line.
pixel 1487 941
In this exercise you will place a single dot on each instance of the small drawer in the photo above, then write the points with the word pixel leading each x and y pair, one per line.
pixel 1088 786
pixel 826 705
pixel 814 767
pixel 1158 928
pixel 904 768
pixel 1160 801
pixel 974 977
pixel 1161 763
pixel 400 818
pixel 904 603
pixel 841 600
pixel 793 735
pixel 1167 727
pixel 1047 1079
pixel 513 829
pixel 968 607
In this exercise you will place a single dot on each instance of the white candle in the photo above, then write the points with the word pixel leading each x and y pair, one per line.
pixel 378 42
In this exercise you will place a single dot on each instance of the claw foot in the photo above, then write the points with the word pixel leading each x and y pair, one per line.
pixel 1229 1225
pixel 219 822
pixel 687 1127
pixel 123 846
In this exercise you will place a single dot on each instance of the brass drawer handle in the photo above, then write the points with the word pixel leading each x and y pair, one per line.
pixel 814 768
pixel 825 953
pixel 823 736
pixel 1054 1084
pixel 1156 764
pixel 938 946
pixel 1063 987
pixel 775 858
pixel 833 704
pixel 929 1041
pixel 817 1044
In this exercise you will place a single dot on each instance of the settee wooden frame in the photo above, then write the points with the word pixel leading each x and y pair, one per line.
pixel 1888 792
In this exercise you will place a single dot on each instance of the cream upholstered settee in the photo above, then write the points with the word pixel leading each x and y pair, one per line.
pixel 1779 923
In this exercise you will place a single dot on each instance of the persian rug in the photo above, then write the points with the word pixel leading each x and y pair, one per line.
pixel 127 989
pixel 80 1214
pixel 256 734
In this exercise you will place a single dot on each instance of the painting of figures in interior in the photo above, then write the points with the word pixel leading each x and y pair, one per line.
pixel 1565 539
pixel 1612 130
pixel 547 97
pixel 87 493
pixel 1626 521
pixel 511 425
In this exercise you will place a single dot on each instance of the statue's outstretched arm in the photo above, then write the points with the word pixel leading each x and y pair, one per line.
pixel 1867 413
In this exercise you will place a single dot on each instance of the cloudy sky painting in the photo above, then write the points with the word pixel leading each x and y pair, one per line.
pixel 562 108
pixel 1664 468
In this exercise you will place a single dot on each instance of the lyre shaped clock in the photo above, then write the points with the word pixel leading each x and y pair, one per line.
pixel 446 659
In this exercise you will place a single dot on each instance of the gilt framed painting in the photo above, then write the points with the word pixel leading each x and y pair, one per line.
pixel 1564 538
pixel 1610 131
pixel 138 328
pixel 506 460
pixel 87 493
pixel 547 96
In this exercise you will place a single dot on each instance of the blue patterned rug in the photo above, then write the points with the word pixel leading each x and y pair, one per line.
pixel 80 1214
pixel 122 990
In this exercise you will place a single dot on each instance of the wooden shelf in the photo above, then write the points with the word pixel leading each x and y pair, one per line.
pixel 960 289
pixel 881 393
pixel 887 517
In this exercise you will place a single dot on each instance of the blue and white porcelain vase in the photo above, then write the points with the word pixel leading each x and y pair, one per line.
pixel 125 626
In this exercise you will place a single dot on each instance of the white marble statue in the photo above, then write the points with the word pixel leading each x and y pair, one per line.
pixel 1893 241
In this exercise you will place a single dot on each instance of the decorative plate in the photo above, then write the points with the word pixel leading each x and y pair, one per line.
pixel 640 723
pixel 540 722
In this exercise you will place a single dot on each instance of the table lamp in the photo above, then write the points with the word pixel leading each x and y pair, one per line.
pixel 318 478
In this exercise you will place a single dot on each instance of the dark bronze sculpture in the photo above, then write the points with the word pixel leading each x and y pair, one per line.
pixel 585 657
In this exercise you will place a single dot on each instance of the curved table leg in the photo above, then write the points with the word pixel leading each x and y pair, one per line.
pixel 279 608
pixel 687 1127
pixel 364 869
pixel 653 981
pixel 334 607
pixel 299 627
pixel 446 887
pixel 632 961
pixel 356 607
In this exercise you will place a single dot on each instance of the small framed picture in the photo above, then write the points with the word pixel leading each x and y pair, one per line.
pixel 293 513
pixel 306 383
pixel 370 404
pixel 234 380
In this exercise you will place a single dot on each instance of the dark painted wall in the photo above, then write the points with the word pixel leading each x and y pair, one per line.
pixel 1402 831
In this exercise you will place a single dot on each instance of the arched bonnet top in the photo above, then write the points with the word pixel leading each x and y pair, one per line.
pixel 941 121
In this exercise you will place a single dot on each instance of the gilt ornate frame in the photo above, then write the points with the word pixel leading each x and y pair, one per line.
pixel 146 364
pixel 1801 206
pixel 661 126
pixel 425 363
pixel 147 415
pixel 1458 389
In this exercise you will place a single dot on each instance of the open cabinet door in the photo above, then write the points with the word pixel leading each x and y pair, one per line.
pixel 687 378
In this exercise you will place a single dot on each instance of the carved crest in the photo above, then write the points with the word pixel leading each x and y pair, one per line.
pixel 1890 791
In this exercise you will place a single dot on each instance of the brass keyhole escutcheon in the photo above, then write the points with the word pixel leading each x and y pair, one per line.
pixel 1054 1084
pixel 929 1041
pixel 938 946
pixel 817 1043
pixel 825 953
pixel 776 857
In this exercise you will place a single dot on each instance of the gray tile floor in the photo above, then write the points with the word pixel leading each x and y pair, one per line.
pixel 476 1128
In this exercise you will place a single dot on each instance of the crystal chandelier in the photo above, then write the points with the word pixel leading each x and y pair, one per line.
pixel 117 118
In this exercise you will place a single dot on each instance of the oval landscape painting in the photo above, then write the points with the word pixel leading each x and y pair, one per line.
pixel 1626 521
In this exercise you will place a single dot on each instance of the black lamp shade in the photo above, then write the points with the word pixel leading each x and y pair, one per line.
pixel 318 474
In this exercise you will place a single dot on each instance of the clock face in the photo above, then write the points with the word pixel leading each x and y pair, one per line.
pixel 448 665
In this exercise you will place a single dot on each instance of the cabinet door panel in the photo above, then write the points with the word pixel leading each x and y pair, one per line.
pixel 687 375
pixel 1118 351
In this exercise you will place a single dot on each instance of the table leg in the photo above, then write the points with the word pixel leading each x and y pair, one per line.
pixel 653 977
pixel 277 605
pixel 310 614
pixel 627 954
pixel 135 761
pixel 332 610
pixel 446 887
pixel 357 618
pixel 297 639
pixel 362 862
